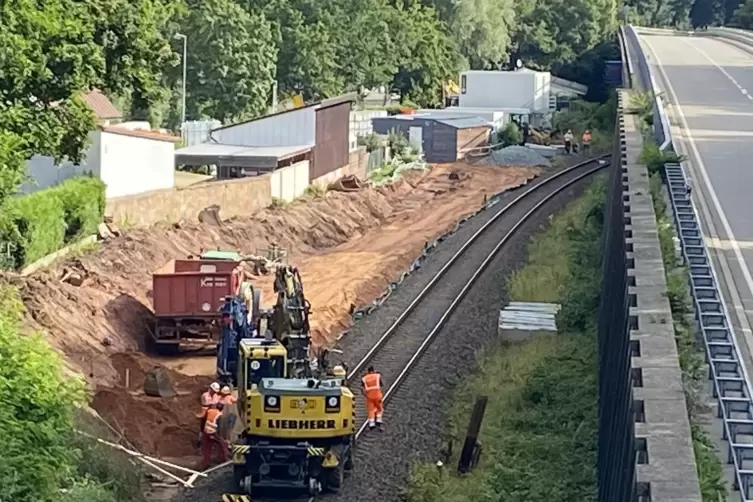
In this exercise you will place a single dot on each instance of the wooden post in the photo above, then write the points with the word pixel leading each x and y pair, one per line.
pixel 467 456
pixel 128 378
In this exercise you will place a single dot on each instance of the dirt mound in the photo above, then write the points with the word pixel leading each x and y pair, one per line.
pixel 165 427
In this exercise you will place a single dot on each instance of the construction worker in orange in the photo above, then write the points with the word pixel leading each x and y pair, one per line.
pixel 208 398
pixel 372 390
pixel 586 140
pixel 210 435
pixel 228 401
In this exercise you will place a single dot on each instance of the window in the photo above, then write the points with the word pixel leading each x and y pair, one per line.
pixel 266 368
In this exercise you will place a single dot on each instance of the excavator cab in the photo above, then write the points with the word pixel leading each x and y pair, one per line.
pixel 260 358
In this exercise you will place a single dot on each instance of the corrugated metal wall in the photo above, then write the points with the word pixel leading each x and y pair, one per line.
pixel 290 128
pixel 332 148
pixel 443 144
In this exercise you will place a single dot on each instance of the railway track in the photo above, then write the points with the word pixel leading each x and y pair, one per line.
pixel 402 344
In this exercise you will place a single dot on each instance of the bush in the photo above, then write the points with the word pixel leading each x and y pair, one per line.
pixel 35 225
pixel 510 135
pixel 655 159
pixel 44 459
pixel 36 411
pixel 371 141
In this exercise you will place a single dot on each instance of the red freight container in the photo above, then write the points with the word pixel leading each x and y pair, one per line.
pixel 194 288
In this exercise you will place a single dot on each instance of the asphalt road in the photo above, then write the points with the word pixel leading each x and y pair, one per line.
pixel 709 85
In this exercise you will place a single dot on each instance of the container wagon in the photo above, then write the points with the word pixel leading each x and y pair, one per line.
pixel 186 296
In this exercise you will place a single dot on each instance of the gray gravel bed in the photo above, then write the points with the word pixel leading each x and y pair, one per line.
pixel 366 331
pixel 415 419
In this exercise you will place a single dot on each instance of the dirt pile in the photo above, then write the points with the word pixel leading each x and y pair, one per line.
pixel 165 427
pixel 348 246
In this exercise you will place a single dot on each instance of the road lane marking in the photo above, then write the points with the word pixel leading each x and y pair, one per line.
pixel 698 162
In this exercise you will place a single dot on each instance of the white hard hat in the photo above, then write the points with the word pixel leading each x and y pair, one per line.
pixel 215 387
pixel 225 390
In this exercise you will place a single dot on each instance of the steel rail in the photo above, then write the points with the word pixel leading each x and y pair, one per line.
pixel 480 269
pixel 420 297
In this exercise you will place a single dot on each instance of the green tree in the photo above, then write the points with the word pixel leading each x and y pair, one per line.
pixel 231 61
pixel 550 32
pixel 36 412
pixel 428 56
pixel 47 55
pixel 481 28
pixel 744 15
pixel 136 49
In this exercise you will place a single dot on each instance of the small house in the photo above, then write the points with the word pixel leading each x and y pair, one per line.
pixel 441 139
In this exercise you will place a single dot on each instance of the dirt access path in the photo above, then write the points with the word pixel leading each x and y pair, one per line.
pixel 348 246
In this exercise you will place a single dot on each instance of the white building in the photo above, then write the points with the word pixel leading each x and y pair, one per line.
pixel 524 89
pixel 127 156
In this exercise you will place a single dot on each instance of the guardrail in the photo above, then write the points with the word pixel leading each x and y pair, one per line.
pixel 730 380
pixel 648 83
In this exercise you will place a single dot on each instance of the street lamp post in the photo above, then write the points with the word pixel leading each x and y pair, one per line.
pixel 180 36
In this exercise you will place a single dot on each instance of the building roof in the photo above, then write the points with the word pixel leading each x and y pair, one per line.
pixel 324 103
pixel 464 122
pixel 101 105
pixel 140 133
pixel 461 121
pixel 263 157
pixel 570 85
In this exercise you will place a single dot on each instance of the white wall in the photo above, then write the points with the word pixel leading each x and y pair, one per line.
pixel 297 127
pixel 505 89
pixel 132 165
pixel 290 182
pixel 44 173
pixel 360 124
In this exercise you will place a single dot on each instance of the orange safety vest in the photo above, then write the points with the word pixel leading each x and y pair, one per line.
pixel 372 384
pixel 228 400
pixel 213 417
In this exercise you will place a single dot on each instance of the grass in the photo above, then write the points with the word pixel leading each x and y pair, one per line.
pixel 540 430
pixel 690 353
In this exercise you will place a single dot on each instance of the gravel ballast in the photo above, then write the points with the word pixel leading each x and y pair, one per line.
pixel 516 156
pixel 399 418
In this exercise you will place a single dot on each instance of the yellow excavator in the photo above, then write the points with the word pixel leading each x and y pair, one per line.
pixel 298 417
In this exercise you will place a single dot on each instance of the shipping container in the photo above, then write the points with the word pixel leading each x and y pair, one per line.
pixel 186 296
pixel 194 288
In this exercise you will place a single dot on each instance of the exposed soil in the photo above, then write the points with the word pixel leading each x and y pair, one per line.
pixel 347 245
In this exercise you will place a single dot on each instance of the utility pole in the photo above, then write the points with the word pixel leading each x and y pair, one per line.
pixel 180 36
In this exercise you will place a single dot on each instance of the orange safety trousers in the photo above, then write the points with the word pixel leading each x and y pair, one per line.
pixel 374 406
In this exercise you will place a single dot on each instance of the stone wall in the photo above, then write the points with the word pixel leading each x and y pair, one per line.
pixel 238 197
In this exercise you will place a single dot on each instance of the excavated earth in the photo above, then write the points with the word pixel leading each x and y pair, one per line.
pixel 349 246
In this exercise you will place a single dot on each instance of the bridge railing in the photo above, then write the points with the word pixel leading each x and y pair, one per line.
pixel 645 76
pixel 730 382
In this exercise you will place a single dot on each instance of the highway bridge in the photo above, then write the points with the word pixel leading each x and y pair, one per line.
pixel 703 84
